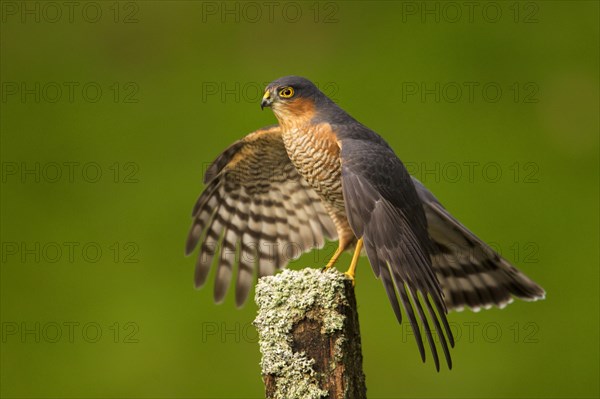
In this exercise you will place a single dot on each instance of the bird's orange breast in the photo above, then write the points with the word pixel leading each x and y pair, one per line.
pixel 314 150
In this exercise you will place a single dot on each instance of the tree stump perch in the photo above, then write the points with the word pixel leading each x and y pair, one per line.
pixel 309 336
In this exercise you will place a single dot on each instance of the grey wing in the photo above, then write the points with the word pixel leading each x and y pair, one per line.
pixel 471 273
pixel 257 212
pixel 384 209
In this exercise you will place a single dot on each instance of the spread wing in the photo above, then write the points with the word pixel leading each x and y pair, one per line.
pixel 471 273
pixel 384 209
pixel 256 212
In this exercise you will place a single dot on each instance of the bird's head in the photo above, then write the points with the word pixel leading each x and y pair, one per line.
pixel 293 99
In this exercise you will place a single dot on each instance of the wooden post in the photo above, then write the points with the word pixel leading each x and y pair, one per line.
pixel 309 336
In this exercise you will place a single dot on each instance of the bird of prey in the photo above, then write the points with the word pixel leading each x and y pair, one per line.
pixel 321 175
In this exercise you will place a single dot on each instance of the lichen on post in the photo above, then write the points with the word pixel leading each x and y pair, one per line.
pixel 309 336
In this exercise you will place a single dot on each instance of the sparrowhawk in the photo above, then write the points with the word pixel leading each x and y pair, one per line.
pixel 321 175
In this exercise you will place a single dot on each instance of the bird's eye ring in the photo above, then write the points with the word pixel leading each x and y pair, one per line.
pixel 286 92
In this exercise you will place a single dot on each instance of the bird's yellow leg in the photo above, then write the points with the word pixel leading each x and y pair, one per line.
pixel 334 258
pixel 352 268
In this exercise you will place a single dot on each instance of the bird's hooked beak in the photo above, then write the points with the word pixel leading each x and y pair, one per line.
pixel 267 100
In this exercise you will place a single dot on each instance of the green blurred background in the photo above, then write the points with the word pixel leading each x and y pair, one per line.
pixel 179 81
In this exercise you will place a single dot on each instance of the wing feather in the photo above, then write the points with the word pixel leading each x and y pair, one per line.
pixel 283 234
pixel 254 208
pixel 246 268
pixel 224 269
pixel 432 347
pixel 268 256
pixel 471 273
pixel 384 209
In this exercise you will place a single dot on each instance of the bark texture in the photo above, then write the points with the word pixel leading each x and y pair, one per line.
pixel 309 336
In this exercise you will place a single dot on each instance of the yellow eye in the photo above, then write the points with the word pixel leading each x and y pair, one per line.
pixel 286 92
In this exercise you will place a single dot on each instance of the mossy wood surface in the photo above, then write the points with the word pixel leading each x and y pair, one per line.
pixel 309 336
